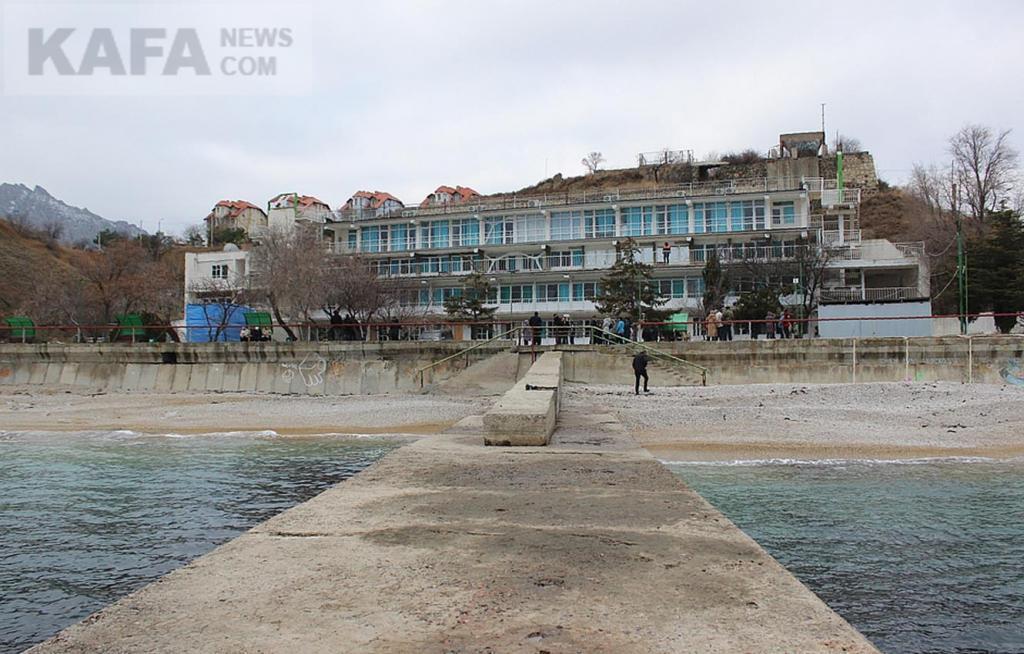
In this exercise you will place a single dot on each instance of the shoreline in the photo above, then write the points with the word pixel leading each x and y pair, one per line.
pixel 809 422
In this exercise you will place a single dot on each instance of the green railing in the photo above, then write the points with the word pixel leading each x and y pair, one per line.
pixel 596 334
pixel 612 338
pixel 465 352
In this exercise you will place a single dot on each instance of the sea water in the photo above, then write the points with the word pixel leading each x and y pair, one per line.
pixel 920 556
pixel 86 518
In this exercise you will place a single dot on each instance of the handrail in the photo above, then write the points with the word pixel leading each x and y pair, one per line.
pixel 656 352
pixel 467 350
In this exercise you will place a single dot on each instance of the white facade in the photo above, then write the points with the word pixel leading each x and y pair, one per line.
pixel 210 272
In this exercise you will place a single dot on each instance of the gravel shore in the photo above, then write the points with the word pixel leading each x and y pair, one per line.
pixel 796 421
pixel 54 409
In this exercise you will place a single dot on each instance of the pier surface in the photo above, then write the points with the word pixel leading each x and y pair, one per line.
pixel 587 545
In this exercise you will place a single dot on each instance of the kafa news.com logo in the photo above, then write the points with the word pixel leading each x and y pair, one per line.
pixel 157 49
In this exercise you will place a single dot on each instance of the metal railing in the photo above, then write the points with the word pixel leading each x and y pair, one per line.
pixel 612 338
pixel 913 250
pixel 541 201
pixel 465 352
pixel 855 293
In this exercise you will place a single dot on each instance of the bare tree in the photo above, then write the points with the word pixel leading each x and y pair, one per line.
pixel 288 267
pixel 195 235
pixel 221 301
pixel 985 167
pixel 113 277
pixel 352 288
pixel 845 144
pixel 790 268
pixel 592 162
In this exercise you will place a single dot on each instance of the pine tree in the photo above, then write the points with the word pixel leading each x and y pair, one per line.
pixel 995 268
pixel 471 304
pixel 716 282
pixel 627 290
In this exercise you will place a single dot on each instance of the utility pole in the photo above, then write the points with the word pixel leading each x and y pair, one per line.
pixel 961 262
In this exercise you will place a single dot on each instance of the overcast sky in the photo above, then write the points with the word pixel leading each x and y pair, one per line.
pixel 494 95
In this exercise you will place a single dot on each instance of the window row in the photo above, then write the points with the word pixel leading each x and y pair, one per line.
pixel 659 220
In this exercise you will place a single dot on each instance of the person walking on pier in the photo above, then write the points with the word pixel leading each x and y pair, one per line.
pixel 640 370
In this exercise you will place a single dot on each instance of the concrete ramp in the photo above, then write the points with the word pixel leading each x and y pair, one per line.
pixel 492 376
pixel 526 413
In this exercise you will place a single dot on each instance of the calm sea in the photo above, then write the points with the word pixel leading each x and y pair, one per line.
pixel 87 518
pixel 920 556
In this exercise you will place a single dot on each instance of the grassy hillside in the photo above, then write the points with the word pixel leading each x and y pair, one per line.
pixel 24 257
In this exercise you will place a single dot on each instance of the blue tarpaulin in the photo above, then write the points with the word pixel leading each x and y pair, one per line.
pixel 214 322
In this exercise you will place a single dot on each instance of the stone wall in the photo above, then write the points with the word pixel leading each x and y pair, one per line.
pixel 287 368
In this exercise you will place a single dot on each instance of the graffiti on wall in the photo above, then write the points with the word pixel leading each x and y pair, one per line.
pixel 1012 373
pixel 310 370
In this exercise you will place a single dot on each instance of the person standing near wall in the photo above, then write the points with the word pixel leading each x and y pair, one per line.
pixel 666 252
pixel 640 370
pixel 535 326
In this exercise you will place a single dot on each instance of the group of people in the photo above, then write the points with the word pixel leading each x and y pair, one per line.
pixel 718 326
pixel 781 324
pixel 559 327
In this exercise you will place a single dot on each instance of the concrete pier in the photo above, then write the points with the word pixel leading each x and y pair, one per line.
pixel 587 545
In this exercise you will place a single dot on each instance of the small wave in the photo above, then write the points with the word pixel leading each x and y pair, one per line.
pixel 835 462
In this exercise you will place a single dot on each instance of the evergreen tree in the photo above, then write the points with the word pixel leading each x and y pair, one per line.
pixel 716 282
pixel 471 304
pixel 627 290
pixel 995 268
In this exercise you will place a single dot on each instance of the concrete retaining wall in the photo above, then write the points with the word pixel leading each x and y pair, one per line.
pixel 526 414
pixel 365 368
pixel 292 368
pixel 980 359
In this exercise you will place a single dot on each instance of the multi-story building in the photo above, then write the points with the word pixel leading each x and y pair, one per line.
pixel 286 209
pixel 236 214
pixel 548 252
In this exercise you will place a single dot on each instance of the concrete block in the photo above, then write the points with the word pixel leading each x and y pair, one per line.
pixel 182 377
pixel 521 417
pixel 68 373
pixel 247 377
pixel 22 372
pixel 37 374
pixel 265 374
pixel 232 377
pixel 164 378
pixel 214 377
pixel 281 382
pixel 53 371
pixel 132 375
pixel 370 378
pixel 197 380
pixel 147 376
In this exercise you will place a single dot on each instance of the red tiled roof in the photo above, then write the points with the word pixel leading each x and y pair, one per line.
pixel 303 200
pixel 235 207
pixel 459 194
pixel 377 198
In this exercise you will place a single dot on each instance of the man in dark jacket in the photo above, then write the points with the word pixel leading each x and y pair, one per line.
pixel 535 324
pixel 640 370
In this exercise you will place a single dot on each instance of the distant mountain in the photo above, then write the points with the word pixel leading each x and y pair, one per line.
pixel 37 208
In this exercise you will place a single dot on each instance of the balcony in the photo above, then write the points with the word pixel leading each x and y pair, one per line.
pixel 857 294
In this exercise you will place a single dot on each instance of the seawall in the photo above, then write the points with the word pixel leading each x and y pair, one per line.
pixel 391 367
pixel 284 368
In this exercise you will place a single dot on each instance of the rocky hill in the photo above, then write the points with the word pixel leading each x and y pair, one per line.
pixel 37 209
